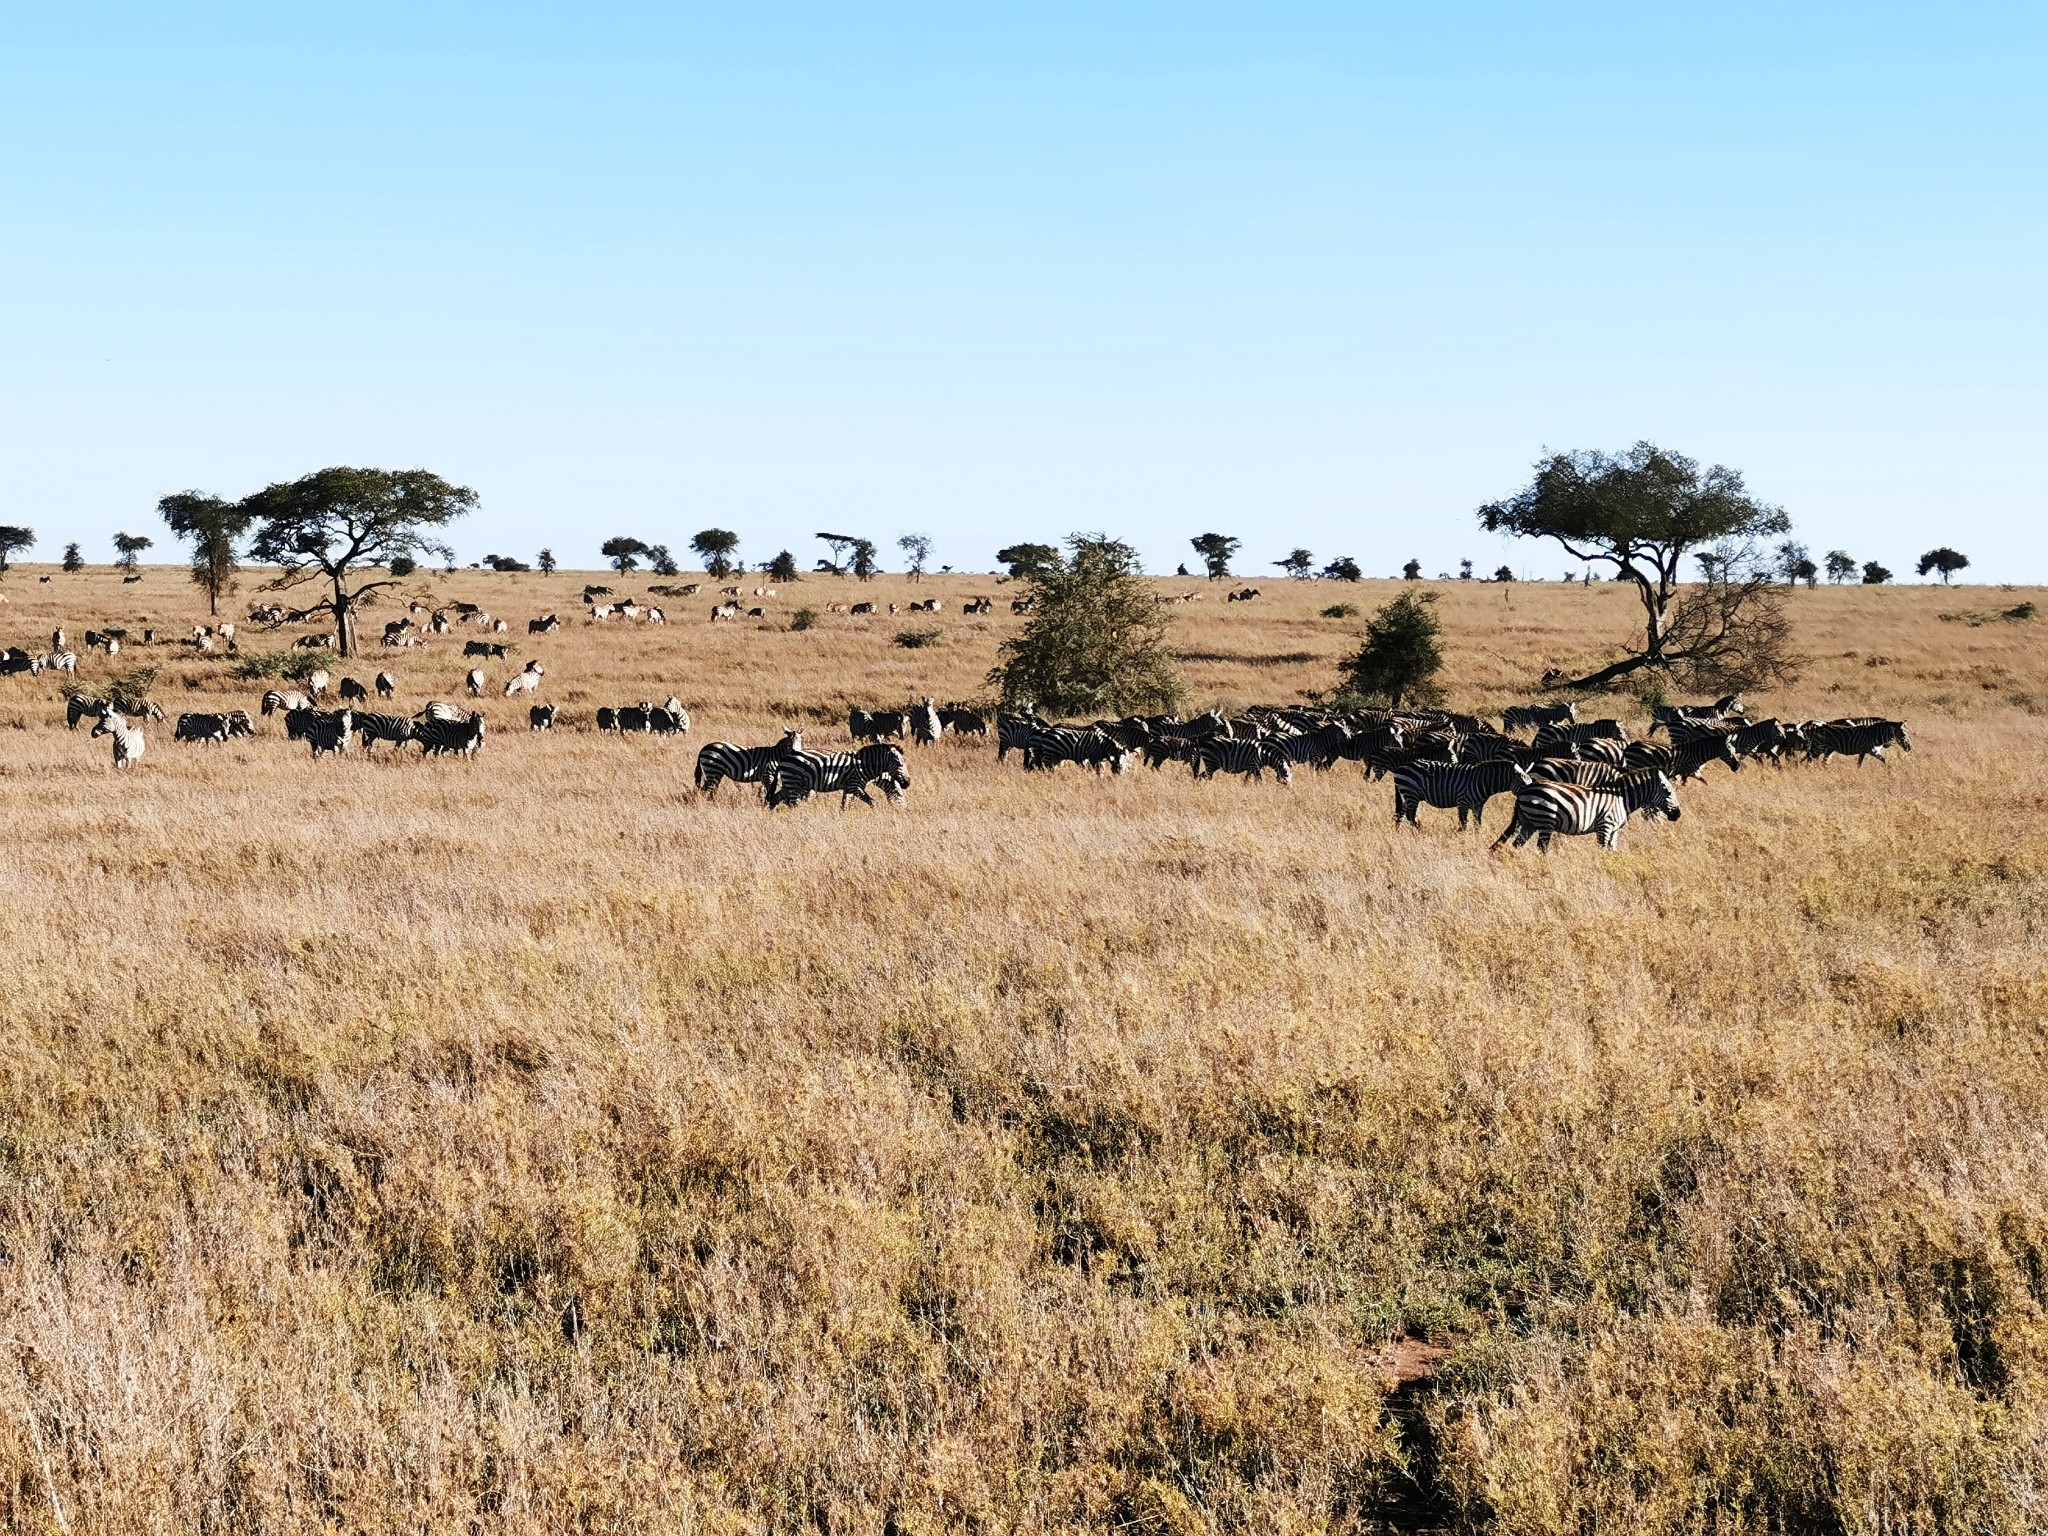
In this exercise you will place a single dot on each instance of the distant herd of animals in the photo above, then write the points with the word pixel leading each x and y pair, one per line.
pixel 1568 777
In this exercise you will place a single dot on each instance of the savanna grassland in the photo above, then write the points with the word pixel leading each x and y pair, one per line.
pixel 528 1144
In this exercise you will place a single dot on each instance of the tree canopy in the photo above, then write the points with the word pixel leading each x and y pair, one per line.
pixel 546 561
pixel 623 552
pixel 1875 575
pixel 862 561
pixel 1029 560
pixel 1643 511
pixel 715 546
pixel 1216 550
pixel 13 540
pixel 1945 560
pixel 1841 565
pixel 74 559
pixel 1412 571
pixel 335 525
pixel 128 547
pixel 783 567
pixel 213 526
pixel 917 550
pixel 1297 564
pixel 1096 641
pixel 1401 655
pixel 1343 568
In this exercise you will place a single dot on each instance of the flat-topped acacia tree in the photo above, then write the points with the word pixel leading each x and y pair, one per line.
pixel 339 525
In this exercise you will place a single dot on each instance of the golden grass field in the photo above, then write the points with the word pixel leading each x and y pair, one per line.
pixel 527 1144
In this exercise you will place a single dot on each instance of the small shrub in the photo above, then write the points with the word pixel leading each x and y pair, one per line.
pixel 1652 696
pixel 403 566
pixel 1341 611
pixel 917 639
pixel 2023 612
pixel 266 665
pixel 803 618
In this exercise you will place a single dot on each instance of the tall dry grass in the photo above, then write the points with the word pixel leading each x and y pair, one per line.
pixel 529 1144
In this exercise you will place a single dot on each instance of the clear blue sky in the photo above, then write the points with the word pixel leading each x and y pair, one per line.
pixel 1326 275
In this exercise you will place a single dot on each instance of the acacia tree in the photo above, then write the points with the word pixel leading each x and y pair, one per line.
pixel 862 561
pixel 660 561
pixel 128 547
pixel 546 561
pixel 1642 512
pixel 1412 571
pixel 841 546
pixel 1401 655
pixel 1875 575
pixel 1945 560
pixel 1841 566
pixel 1343 568
pixel 917 549
pixel 1297 564
pixel 74 559
pixel 623 552
pixel 714 546
pixel 213 526
pixel 783 567
pixel 336 525
pixel 1029 560
pixel 1096 641
pixel 1216 550
pixel 13 540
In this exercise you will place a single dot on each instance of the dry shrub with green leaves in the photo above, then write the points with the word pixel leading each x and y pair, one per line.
pixel 529 1144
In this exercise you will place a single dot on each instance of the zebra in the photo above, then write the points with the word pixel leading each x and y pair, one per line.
pixel 276 700
pixel 866 725
pixel 1250 759
pixel 387 685
pixel 541 717
pixel 461 737
pixel 1465 787
pixel 794 777
pixel 474 683
pixel 924 723
pixel 61 661
pixel 128 743
pixel 434 709
pixel 395 729
pixel 544 625
pixel 1318 748
pixel 668 719
pixel 635 717
pixel 489 650
pixel 1667 715
pixel 1014 732
pixel 1860 738
pixel 1048 748
pixel 197 727
pixel 1546 808
pixel 963 722
pixel 1538 715
pixel 81 706
pixel 353 691
pixel 607 718
pixel 1686 758
pixel 525 682
pixel 330 731
pixel 1578 734
pixel 718 761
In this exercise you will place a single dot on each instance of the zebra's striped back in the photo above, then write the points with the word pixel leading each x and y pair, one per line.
pixel 1538 715
pixel 459 736
pixel 395 729
pixel 1857 739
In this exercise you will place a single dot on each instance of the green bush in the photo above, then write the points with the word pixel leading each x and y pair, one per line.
pixel 917 639
pixel 803 618
pixel 1341 611
pixel 267 665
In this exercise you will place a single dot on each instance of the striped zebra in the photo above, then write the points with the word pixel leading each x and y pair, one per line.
pixel 1249 759
pixel 1463 787
pixel 329 730
pixel 796 776
pixel 925 727
pixel 1376 746
pixel 1855 738
pixel 1687 758
pixel 1538 715
pixel 963 722
pixel 198 727
pixel 462 737
pixel 276 701
pixel 718 761
pixel 1551 737
pixel 1727 707
pixel 1546 809
pixel 395 729
pixel 1014 733
pixel 541 717
pixel 1320 747
pixel 1048 748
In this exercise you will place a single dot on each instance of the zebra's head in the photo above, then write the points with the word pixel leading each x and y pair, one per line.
pixel 1664 797
pixel 1898 733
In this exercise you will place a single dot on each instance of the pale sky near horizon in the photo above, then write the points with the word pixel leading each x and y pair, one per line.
pixel 1318 275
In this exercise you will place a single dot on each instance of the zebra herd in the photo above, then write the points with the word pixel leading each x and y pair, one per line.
pixel 1569 777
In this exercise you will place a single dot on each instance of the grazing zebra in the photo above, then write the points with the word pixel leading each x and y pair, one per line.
pixel 461 737
pixel 1857 738
pixel 1251 759
pixel 607 718
pixel 1686 758
pixel 353 691
pixel 128 743
pixel 80 706
pixel 474 683
pixel 1319 748
pixel 1380 748
pixel 635 717
pixel 1546 808
pixel 330 731
pixel 196 727
pixel 490 650
pixel 395 729
pixel 963 722
pixel 542 626
pixel 1550 737
pixel 796 776
pixel 924 723
pixel 436 710
pixel 387 685
pixel 669 719
pixel 871 725
pixel 316 681
pixel 274 701
pixel 1048 748
pixel 61 661
pixel 239 723
pixel 541 717
pixel 1464 787
pixel 1538 715
pixel 1014 733
pixel 1729 706
pixel 718 761
pixel 527 681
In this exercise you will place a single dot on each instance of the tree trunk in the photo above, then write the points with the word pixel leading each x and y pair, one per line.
pixel 343 630
pixel 1608 674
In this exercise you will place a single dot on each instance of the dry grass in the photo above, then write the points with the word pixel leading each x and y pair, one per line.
pixel 528 1144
